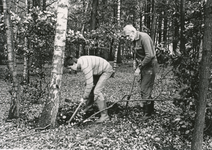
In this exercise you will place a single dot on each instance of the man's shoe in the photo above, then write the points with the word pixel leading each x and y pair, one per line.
pixel 103 118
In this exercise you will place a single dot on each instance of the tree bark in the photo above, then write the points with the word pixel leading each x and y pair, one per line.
pixel 160 28
pixel 25 71
pixel 204 79
pixel 14 106
pixel 94 14
pixel 147 19
pixel 1 7
pixel 182 20
pixel 49 114
pixel 141 15
pixel 165 23
pixel 44 5
pixel 117 42
pixel 83 25
pixel 154 21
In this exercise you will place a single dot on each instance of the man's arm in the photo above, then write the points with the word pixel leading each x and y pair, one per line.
pixel 89 82
pixel 148 48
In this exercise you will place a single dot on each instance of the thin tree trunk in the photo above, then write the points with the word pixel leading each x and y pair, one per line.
pixel 147 14
pixel 14 106
pixel 154 21
pixel 49 114
pixel 83 25
pixel 25 71
pixel 141 16
pixel 117 41
pixel 160 28
pixel 82 30
pixel 44 5
pixel 1 7
pixel 176 27
pixel 94 14
pixel 204 79
pixel 165 29
pixel 182 21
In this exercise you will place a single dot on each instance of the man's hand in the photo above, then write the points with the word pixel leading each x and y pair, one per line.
pixel 82 100
pixel 137 72
pixel 88 105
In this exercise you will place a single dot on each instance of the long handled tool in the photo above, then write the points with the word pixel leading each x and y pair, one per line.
pixel 75 112
pixel 130 93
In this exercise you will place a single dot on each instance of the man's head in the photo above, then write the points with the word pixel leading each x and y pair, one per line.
pixel 71 63
pixel 130 32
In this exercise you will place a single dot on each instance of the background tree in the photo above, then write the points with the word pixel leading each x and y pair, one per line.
pixel 117 42
pixel 26 51
pixel 94 14
pixel 176 26
pixel 182 26
pixel 49 114
pixel 14 106
pixel 205 72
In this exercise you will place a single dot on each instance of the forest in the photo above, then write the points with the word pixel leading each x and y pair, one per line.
pixel 39 95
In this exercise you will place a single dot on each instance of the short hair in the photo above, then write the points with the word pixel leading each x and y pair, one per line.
pixel 129 28
pixel 69 60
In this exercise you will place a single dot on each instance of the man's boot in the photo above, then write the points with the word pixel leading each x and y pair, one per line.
pixel 104 115
pixel 149 108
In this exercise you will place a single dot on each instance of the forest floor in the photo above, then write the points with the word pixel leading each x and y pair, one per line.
pixel 124 131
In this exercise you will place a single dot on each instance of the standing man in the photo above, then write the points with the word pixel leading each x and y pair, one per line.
pixel 97 71
pixel 146 64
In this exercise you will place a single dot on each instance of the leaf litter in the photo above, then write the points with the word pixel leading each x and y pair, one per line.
pixel 125 130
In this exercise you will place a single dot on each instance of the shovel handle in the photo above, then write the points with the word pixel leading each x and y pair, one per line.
pixel 75 112
pixel 128 97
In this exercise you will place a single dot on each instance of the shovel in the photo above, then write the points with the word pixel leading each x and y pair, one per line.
pixel 130 93
pixel 75 112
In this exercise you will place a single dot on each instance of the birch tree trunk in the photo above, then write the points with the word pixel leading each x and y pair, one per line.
pixel 49 114
pixel 25 71
pixel 204 79
pixel 116 42
pixel 14 106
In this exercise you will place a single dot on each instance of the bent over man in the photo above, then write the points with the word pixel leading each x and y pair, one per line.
pixel 146 61
pixel 97 71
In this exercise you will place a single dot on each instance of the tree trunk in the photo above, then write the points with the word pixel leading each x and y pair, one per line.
pixel 14 106
pixel 176 27
pixel 165 23
pixel 204 79
pixel 160 28
pixel 44 5
pixel 117 44
pixel 147 14
pixel 94 14
pixel 83 25
pixel 141 16
pixel 25 71
pixel 111 57
pixel 154 21
pixel 1 7
pixel 176 32
pixel 115 12
pixel 104 11
pixel 49 114
pixel 182 21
